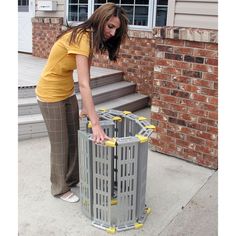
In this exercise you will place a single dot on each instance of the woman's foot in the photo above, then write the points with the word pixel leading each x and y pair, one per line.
pixel 69 197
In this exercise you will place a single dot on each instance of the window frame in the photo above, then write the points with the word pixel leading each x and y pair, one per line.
pixel 151 16
pixel 155 12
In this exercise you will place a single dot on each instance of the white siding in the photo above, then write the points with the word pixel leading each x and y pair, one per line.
pixel 193 13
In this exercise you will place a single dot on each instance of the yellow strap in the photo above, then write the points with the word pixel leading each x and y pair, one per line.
pixel 127 112
pixel 140 118
pixel 138 225
pixel 103 109
pixel 117 118
pixel 150 126
pixel 111 143
pixel 114 202
pixel 148 210
pixel 141 138
pixel 111 230
pixel 89 124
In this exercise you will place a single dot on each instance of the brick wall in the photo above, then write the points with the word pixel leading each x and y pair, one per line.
pixel 184 108
pixel 136 60
pixel 178 69
pixel 44 33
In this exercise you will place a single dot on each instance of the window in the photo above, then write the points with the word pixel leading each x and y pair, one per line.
pixel 77 10
pixel 161 12
pixel 140 12
pixel 23 5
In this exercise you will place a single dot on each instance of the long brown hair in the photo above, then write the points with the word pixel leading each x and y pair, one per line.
pixel 96 24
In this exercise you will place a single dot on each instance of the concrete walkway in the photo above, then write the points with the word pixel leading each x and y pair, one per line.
pixel 182 196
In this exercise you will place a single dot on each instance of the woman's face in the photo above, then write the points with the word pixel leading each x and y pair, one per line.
pixel 111 26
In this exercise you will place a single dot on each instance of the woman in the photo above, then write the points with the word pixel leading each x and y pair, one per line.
pixel 104 31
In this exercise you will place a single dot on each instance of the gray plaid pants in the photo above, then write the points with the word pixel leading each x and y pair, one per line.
pixel 62 122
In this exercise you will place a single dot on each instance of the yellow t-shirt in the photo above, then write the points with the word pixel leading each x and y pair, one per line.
pixel 56 81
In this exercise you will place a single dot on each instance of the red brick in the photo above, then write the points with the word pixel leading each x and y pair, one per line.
pixel 212 61
pixel 156 142
pixel 212 130
pixel 164 48
pixel 171 70
pixel 190 88
pixel 205 53
pixel 203 68
pixel 193 44
pixel 206 121
pixel 202 83
pixel 163 62
pixel 190 103
pixel 205 135
pixel 169 112
pixel 175 134
pixel 174 42
pixel 195 140
pixel 212 46
pixel 209 92
pixel 168 84
pixel 187 117
pixel 166 139
pixel 213 100
pixel 177 121
pixel 170 99
pixel 183 50
pixel 158 75
pixel 191 153
pixel 170 149
pixel 190 73
pixel 208 107
pixel 178 108
pixel 196 111
pixel 159 117
pixel 181 65
pixel 187 130
pixel 204 149
pixel 212 144
pixel 182 143
pixel 213 115
pixel 197 126
pixel 180 94
pixel 199 97
pixel 210 76
pixel 182 79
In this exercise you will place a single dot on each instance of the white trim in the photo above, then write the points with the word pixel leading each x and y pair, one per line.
pixel 151 15
pixel 170 13
pixel 154 6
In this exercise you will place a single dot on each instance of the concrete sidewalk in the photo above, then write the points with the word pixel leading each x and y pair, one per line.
pixel 182 196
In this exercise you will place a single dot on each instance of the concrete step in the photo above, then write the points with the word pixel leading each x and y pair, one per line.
pixel 32 126
pixel 98 79
pixel 29 106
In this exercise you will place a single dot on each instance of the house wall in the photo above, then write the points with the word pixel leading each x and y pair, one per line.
pixel 177 66
pixel 60 12
pixel 44 33
pixel 178 69
pixel 193 13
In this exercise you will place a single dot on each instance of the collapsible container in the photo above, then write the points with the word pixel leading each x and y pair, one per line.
pixel 113 175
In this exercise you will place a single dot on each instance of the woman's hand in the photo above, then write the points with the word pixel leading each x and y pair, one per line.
pixel 98 134
pixel 83 113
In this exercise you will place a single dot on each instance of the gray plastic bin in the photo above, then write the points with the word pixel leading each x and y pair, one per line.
pixel 113 174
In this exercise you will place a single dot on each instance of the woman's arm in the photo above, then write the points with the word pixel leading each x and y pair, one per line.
pixel 82 63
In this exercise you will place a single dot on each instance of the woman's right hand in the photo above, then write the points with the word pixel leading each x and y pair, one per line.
pixel 99 135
